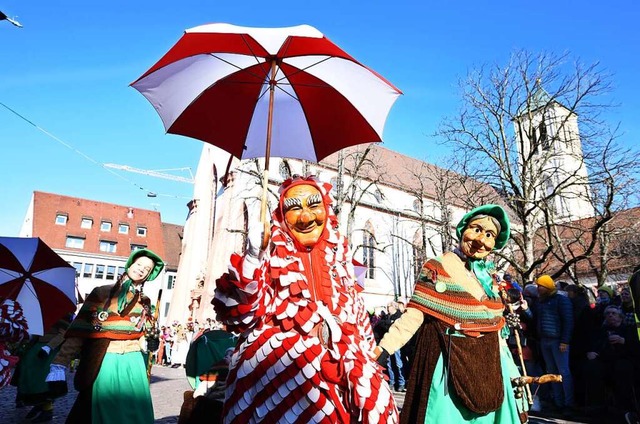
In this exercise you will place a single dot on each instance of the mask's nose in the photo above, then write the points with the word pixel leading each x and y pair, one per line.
pixel 306 216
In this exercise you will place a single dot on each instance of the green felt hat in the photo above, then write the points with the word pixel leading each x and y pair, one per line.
pixel 495 211
pixel 159 263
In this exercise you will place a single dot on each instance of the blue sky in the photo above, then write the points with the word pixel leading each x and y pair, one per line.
pixel 68 71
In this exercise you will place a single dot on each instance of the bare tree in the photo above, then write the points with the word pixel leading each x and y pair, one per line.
pixel 358 175
pixel 517 130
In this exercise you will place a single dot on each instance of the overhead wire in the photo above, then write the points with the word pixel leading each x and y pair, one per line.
pixel 87 157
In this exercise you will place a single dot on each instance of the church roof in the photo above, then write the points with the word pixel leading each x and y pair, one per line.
pixel 405 173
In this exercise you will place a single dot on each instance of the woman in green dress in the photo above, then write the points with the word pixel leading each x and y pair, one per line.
pixel 111 379
pixel 462 367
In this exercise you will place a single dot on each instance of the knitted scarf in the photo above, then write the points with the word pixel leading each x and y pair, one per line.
pixel 438 295
pixel 128 326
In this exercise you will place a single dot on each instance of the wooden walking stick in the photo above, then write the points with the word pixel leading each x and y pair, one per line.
pixel 526 385
pixel 156 314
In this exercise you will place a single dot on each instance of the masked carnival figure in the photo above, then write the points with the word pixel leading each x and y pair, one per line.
pixel 462 367
pixel 305 352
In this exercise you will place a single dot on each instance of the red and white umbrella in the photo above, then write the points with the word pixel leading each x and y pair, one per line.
pixel 41 281
pixel 213 83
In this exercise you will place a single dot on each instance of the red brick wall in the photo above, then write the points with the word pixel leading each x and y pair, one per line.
pixel 47 206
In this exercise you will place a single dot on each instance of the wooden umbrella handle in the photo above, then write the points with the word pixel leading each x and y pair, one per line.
pixel 264 213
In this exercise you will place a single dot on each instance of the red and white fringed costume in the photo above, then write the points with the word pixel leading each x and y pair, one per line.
pixel 13 329
pixel 282 370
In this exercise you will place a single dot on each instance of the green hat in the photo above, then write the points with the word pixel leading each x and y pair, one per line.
pixel 159 264
pixel 495 211
pixel 608 290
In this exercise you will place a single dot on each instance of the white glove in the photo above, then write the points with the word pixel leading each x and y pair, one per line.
pixel 57 372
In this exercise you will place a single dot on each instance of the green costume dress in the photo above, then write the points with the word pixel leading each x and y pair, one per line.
pixel 112 370
pixel 462 366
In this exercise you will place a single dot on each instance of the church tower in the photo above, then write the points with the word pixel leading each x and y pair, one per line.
pixel 548 131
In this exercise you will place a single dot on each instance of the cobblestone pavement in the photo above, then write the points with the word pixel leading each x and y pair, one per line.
pixel 167 388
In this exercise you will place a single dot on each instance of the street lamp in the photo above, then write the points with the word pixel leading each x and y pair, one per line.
pixel 4 17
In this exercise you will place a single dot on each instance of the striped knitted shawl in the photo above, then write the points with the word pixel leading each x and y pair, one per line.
pixel 115 327
pixel 455 305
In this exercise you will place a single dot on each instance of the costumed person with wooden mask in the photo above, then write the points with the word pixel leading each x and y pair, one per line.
pixel 462 367
pixel 112 379
pixel 305 350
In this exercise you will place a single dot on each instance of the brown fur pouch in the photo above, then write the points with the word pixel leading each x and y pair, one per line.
pixel 91 356
pixel 475 372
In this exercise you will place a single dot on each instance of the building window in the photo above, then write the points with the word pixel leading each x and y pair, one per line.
pixel 105 226
pixel 108 246
pixel 78 267
pixel 369 253
pixel 123 228
pixel 135 247
pixel 86 223
pixel 166 309
pixel 417 206
pixel 285 169
pixel 88 271
pixel 378 195
pixel 111 272
pixel 120 270
pixel 99 272
pixel 544 138
pixel 74 242
pixel 61 219
pixel 171 282
pixel 142 231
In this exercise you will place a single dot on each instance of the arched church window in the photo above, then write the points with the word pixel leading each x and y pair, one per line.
pixel 544 137
pixel 369 251
pixel 285 170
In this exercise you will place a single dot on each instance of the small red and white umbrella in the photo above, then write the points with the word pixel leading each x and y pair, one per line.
pixel 43 283
pixel 260 92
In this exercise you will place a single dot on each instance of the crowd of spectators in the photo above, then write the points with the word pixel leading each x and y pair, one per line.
pixel 176 338
pixel 590 340
pixel 589 336
pixel 398 365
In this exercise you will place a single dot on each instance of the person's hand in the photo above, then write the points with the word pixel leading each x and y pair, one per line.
pixel 564 347
pixel 381 355
pixel 57 372
pixel 44 352
pixel 524 305
pixel 591 356
pixel 616 339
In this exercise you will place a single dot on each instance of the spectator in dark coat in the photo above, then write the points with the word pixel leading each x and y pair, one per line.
pixel 581 339
pixel 614 349
pixel 394 362
pixel 627 306
pixel 554 325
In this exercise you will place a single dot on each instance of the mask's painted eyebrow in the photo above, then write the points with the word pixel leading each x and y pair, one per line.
pixel 290 202
pixel 314 199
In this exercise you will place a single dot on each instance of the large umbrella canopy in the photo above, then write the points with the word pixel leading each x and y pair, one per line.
pixel 237 87
pixel 40 280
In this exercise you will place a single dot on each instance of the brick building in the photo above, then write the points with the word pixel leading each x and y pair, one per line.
pixel 97 237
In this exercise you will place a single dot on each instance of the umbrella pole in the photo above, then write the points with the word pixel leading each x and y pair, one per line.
pixel 265 176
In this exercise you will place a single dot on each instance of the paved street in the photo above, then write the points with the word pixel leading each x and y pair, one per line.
pixel 167 388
